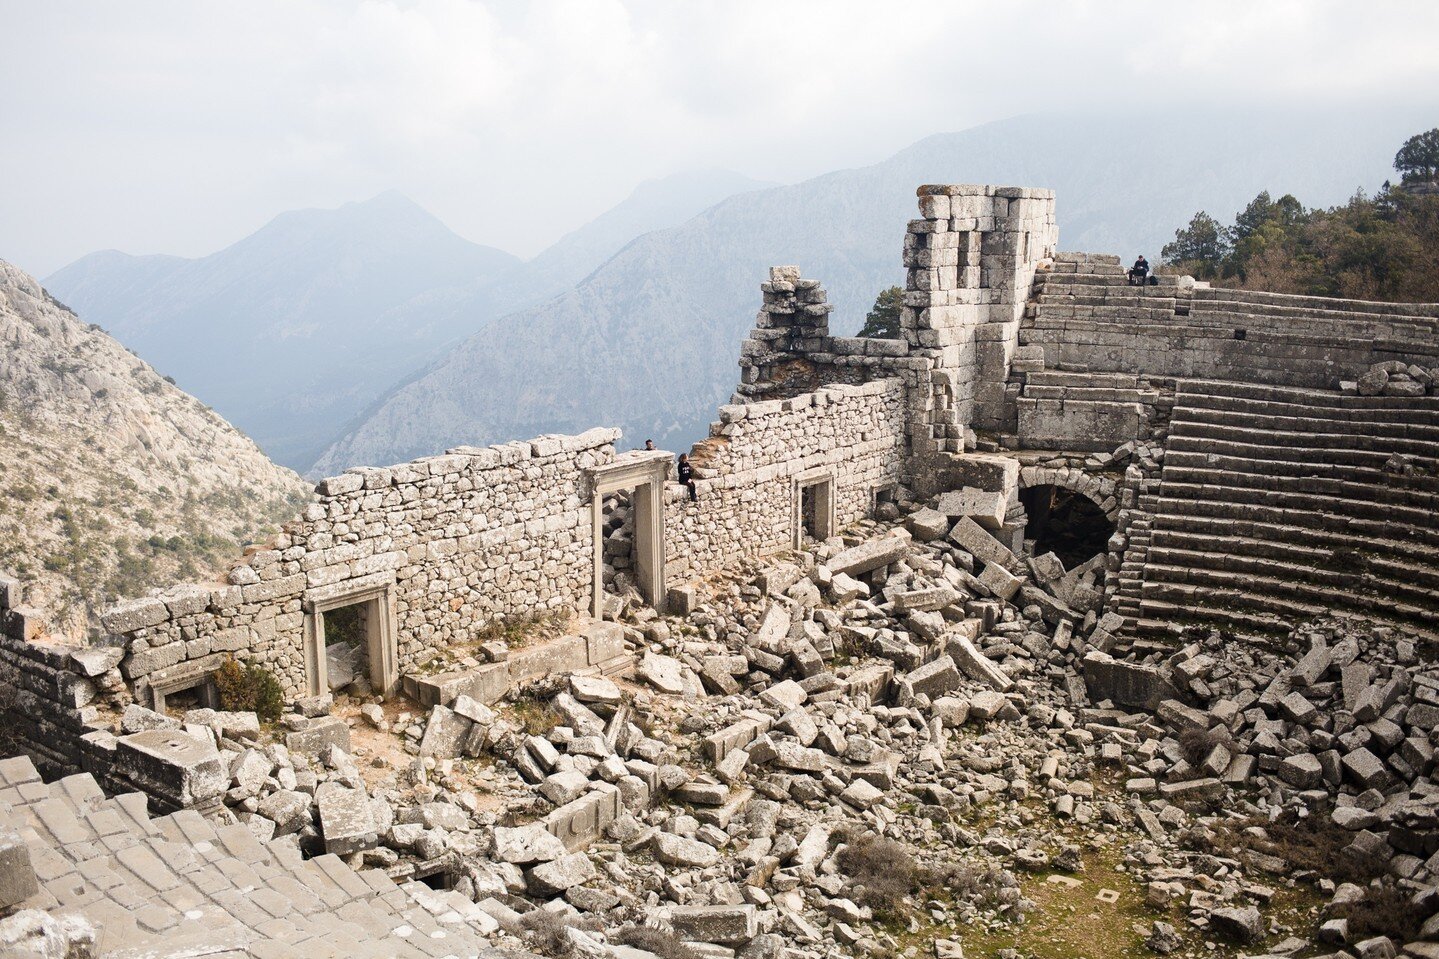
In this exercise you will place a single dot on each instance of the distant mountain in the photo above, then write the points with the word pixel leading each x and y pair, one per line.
pixel 113 480
pixel 648 342
pixel 296 330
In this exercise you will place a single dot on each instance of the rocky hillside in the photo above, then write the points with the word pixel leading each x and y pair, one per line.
pixel 648 342
pixel 112 479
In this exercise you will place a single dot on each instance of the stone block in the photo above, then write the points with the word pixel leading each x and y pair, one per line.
pixel 871 554
pixel 553 878
pixel 1125 684
pixel 975 664
pixel 445 734
pixel 17 873
pixel 723 925
pixel 927 524
pixel 1000 582
pixel 980 543
pixel 985 508
pixel 581 822
pixel 179 770
pixel 347 820
pixel 563 655
pixel 934 678
pixel 603 642
pixel 320 733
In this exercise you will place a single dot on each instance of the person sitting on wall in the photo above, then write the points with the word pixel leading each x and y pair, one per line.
pixel 686 474
pixel 649 446
pixel 1139 271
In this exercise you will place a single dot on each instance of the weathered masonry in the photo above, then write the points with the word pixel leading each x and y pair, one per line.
pixel 1238 458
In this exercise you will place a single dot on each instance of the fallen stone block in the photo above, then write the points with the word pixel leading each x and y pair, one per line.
pixel 980 543
pixel 927 524
pixel 319 735
pixel 178 770
pixel 523 845
pixel 347 820
pixel 843 588
pixel 445 734
pixel 723 925
pixel 975 664
pixel 664 673
pixel 551 879
pixel 578 823
pixel 1123 683
pixel 871 554
pixel 985 508
pixel 675 850
pixel 17 873
pixel 998 581
pixel 933 678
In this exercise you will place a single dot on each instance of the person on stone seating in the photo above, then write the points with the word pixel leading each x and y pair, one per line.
pixel 686 475
pixel 1139 271
pixel 649 446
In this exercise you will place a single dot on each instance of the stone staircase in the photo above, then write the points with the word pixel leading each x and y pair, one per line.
pixel 181 886
pixel 1275 505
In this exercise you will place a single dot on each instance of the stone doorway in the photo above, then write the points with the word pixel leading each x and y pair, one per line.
pixel 627 510
pixel 813 508
pixel 1065 522
pixel 350 641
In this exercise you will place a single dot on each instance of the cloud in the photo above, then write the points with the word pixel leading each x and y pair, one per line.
pixel 178 126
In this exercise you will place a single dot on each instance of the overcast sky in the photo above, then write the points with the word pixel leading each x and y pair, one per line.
pixel 181 126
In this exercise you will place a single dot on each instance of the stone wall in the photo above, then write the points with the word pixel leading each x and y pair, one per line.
pixel 758 452
pixel 455 540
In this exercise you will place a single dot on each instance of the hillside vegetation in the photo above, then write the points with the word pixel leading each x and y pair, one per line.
pixel 1384 247
pixel 113 480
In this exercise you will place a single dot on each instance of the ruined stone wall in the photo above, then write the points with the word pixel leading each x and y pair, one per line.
pixel 461 539
pixel 857 435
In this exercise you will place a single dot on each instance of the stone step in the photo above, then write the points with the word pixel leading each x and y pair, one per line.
pixel 1315 445
pixel 1371 460
pixel 1291 468
pixel 1375 424
pixel 1292 529
pixel 1199 389
pixel 1340 490
pixel 1419 595
pixel 1283 597
pixel 1342 511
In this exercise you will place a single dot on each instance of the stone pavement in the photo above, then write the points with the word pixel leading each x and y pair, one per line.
pixel 178 885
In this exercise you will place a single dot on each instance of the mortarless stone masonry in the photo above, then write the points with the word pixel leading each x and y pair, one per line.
pixel 1018 367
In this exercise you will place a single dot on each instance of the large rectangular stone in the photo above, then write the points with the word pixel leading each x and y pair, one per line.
pixel 346 820
pixel 871 554
pixel 581 822
pixel 603 642
pixel 974 663
pixel 980 543
pixel 722 925
pixel 320 733
pixel 564 655
pixel 734 736
pixel 17 873
pixel 1122 683
pixel 933 678
pixel 178 770
pixel 985 508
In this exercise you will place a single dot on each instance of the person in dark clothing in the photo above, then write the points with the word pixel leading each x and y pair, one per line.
pixel 649 445
pixel 686 474
pixel 1139 271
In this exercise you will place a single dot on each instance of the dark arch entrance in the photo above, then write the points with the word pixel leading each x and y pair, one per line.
pixel 1066 523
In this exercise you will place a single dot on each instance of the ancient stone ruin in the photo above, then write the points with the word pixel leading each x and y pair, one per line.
pixel 1079 593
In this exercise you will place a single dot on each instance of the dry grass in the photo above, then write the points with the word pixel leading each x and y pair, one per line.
pixel 546 933
pixel 664 944
pixel 884 874
pixel 1196 744
pixel 1385 910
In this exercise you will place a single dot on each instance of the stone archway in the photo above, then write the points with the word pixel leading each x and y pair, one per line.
pixel 1069 513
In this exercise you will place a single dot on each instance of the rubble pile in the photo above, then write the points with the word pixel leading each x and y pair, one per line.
pixel 870 748
pixel 1394 378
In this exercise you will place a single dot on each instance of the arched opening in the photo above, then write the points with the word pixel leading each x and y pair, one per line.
pixel 1066 523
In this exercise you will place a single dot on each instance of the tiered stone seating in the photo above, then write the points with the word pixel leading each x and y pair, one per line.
pixel 179 885
pixel 1086 317
pixel 1276 505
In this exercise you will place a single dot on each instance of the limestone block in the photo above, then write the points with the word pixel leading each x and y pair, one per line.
pixel 17 873
pixel 1000 582
pixel 1125 684
pixel 980 543
pixel 927 524
pixel 723 925
pixel 933 678
pixel 347 820
pixel 975 664
pixel 182 771
pixel 578 823
pixel 135 614
pixel 319 734
pixel 985 508
pixel 554 878
pixel 871 554
pixel 524 845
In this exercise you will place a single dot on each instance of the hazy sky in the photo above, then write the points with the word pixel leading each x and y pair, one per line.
pixel 180 126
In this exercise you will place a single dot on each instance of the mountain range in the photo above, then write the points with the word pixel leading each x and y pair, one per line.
pixel 372 333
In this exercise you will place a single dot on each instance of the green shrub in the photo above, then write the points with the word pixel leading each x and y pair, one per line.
pixel 249 688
